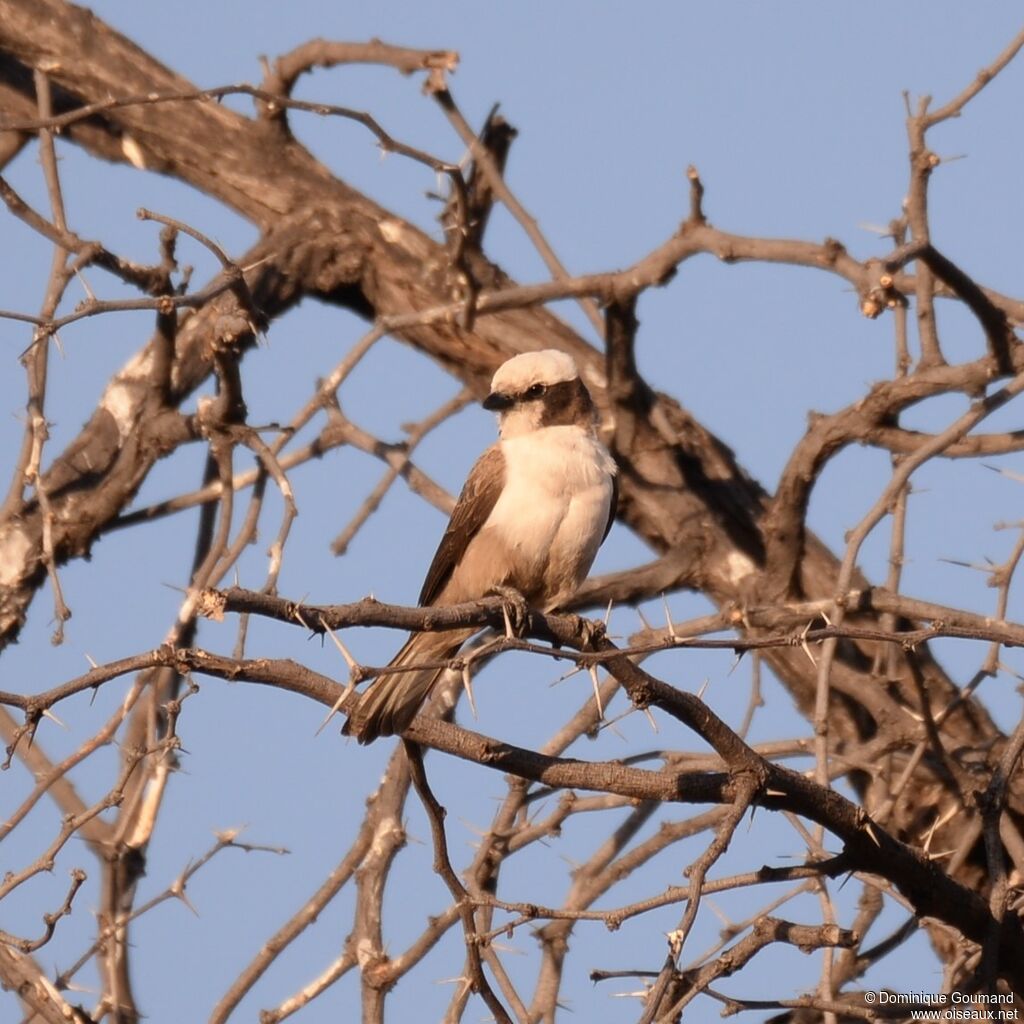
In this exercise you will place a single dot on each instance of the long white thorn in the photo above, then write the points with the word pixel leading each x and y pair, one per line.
pixel 353 665
pixel 597 691
pixel 668 618
pixel 467 685
pixel 47 713
pixel 337 705
pixel 509 632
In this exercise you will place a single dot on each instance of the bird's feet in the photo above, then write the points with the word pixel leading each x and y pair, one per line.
pixel 592 631
pixel 514 609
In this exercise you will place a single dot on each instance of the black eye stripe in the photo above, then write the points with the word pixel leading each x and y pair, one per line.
pixel 564 403
pixel 535 391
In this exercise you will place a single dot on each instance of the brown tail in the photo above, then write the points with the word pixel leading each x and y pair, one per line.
pixel 392 702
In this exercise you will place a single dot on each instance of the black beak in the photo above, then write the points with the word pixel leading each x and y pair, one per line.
pixel 496 401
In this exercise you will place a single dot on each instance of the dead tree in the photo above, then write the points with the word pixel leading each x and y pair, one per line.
pixel 935 806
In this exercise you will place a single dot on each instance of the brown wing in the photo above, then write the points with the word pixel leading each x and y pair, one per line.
pixel 612 506
pixel 479 496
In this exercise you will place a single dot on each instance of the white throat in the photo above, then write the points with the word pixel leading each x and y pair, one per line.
pixel 519 421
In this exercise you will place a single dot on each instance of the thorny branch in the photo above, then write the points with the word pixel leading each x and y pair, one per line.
pixel 936 825
pixel 766 783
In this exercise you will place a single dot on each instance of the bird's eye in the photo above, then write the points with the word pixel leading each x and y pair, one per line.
pixel 535 391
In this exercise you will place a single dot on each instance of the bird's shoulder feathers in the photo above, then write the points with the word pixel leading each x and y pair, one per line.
pixel 479 495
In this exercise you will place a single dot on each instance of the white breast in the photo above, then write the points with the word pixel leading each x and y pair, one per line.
pixel 553 511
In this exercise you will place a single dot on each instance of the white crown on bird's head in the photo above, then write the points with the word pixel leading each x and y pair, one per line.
pixel 548 366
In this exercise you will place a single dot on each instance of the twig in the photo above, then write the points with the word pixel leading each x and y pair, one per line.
pixel 176 890
pixel 922 163
pixel 328 53
pixel 766 931
pixel 747 787
pixel 489 167
pixel 398 467
pixel 332 973
pixel 956 105
pixel 443 867
pixel 992 803
pixel 50 921
pixel 148 279
pixel 978 412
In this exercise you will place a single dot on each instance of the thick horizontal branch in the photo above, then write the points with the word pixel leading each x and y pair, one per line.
pixel 367 612
pixel 946 621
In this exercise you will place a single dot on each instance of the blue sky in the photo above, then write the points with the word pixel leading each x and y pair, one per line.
pixel 794 115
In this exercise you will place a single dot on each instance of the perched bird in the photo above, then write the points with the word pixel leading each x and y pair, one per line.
pixel 532 514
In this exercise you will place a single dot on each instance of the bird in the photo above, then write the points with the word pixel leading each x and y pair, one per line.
pixel 532 514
